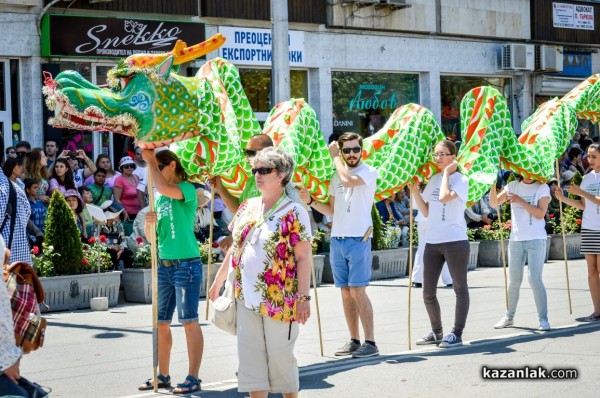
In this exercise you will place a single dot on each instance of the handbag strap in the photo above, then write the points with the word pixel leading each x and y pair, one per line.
pixel 11 208
pixel 97 201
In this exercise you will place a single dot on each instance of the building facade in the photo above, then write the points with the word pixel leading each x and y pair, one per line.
pixel 355 61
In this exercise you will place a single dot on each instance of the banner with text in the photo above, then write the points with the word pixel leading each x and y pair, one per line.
pixel 247 46
pixel 573 16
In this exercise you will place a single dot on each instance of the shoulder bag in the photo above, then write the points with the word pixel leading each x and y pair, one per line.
pixel 224 316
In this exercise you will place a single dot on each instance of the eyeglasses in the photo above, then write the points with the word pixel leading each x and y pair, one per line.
pixel 440 155
pixel 356 149
pixel 21 153
pixel 263 170
pixel 131 166
pixel 250 152
pixel 162 166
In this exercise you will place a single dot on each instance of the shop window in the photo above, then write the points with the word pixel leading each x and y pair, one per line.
pixel 363 101
pixel 257 85
pixel 453 89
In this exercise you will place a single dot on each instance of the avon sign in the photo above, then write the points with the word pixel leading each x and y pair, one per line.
pixel 113 37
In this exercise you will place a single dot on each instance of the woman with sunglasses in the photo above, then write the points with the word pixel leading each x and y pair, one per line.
pixel 179 266
pixel 443 202
pixel 271 255
pixel 125 190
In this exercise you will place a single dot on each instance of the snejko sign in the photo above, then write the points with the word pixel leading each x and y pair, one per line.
pixel 90 37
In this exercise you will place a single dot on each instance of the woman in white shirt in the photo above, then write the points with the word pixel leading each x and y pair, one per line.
pixel 443 202
pixel 528 205
pixel 589 202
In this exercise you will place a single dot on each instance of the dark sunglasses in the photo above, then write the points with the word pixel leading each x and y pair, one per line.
pixel 130 166
pixel 263 170
pixel 11 152
pixel 162 166
pixel 250 152
pixel 355 149
pixel 21 154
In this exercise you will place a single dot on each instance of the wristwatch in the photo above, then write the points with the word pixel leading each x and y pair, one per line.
pixel 302 298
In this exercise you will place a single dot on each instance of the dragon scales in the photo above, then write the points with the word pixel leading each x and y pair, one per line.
pixel 207 119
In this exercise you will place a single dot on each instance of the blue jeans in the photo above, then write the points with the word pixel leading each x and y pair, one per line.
pixel 351 261
pixel 535 252
pixel 179 286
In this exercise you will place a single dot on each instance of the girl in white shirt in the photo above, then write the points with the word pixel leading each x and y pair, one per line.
pixel 589 202
pixel 528 205
pixel 443 202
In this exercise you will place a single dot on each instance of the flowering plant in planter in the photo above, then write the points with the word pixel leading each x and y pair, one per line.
pixel 96 256
pixel 42 259
pixel 572 220
pixel 204 248
pixel 494 232
pixel 142 257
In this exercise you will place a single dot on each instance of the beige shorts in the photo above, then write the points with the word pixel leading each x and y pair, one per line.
pixel 266 356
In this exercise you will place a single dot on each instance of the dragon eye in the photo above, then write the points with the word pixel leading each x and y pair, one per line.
pixel 124 81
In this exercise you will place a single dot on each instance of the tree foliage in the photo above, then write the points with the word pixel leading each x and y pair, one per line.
pixel 63 235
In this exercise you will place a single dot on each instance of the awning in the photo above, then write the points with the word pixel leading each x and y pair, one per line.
pixel 554 85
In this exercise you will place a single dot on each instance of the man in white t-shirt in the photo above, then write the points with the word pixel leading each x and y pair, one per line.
pixel 352 192
pixel 141 169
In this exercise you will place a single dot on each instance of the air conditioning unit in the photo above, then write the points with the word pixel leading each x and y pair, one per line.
pixel 396 2
pixel 518 56
pixel 549 58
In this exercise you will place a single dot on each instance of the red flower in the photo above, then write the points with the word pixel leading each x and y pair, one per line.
pixel 139 240
pixel 36 250
pixel 215 244
pixel 92 240
pixel 551 215
pixel 102 238
pixel 578 221
pixel 85 261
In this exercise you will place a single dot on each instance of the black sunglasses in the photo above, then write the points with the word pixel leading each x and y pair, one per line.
pixel 131 166
pixel 355 149
pixel 162 166
pixel 263 170
pixel 19 154
pixel 250 152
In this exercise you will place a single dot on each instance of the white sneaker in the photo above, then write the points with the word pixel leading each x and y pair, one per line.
pixel 504 323
pixel 544 326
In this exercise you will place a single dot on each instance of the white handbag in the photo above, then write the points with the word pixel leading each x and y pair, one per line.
pixel 224 316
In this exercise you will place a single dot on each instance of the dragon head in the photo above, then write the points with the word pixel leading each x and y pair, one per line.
pixel 144 98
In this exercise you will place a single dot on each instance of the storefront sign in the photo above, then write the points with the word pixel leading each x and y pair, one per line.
pixel 576 64
pixel 246 46
pixel 372 96
pixel 573 16
pixel 113 37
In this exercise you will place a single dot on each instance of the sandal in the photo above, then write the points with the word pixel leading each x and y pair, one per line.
pixel 163 382
pixel 190 385
pixel 592 318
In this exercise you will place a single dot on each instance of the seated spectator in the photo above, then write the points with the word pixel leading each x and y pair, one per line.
pixel 478 215
pixel 76 204
pixel 574 162
pixel 62 177
pixel 565 179
pixel 115 240
pixel 38 212
pixel 389 214
pixel 99 190
pixel 86 196
pixel 13 169
pixel 103 162
pixel 202 221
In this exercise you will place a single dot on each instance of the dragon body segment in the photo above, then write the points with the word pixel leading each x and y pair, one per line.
pixel 208 120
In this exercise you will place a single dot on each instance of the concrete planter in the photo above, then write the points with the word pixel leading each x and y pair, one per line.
pixel 573 247
pixel 391 263
pixel 214 267
pixel 319 263
pixel 490 253
pixel 137 284
pixel 473 255
pixel 73 292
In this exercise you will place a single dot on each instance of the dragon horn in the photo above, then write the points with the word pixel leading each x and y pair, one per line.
pixel 180 52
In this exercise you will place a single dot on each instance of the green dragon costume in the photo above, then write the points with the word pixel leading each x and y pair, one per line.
pixel 208 120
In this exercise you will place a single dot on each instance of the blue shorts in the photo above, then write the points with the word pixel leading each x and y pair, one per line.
pixel 351 261
pixel 179 286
